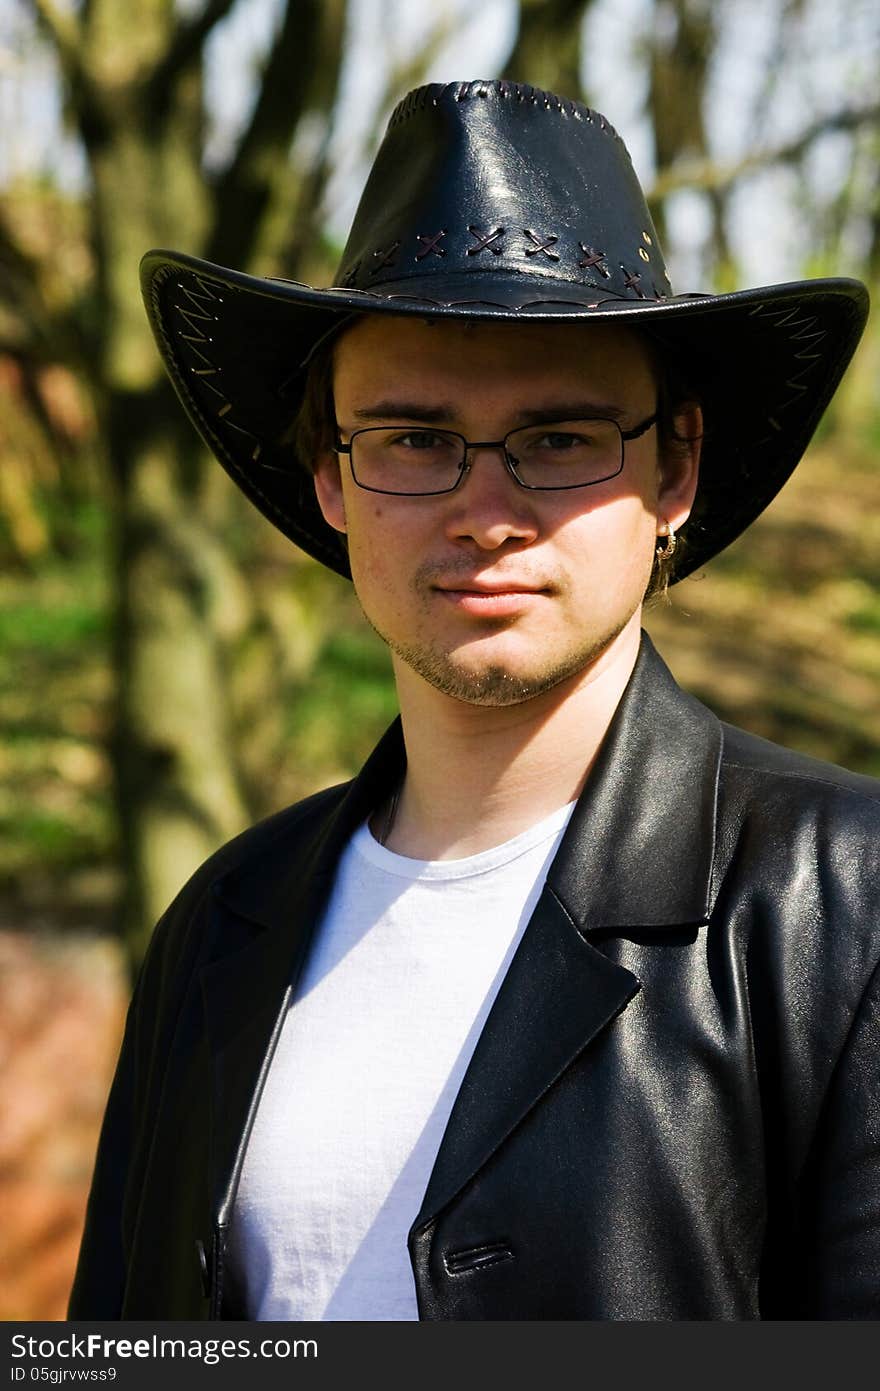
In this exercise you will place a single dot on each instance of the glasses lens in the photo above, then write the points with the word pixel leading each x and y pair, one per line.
pixel 405 459
pixel 566 453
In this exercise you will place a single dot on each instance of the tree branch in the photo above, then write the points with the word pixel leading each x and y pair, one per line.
pixel 66 32
pixel 24 323
pixel 307 48
pixel 31 325
pixel 63 30
pixel 185 44
pixel 706 176
pixel 546 51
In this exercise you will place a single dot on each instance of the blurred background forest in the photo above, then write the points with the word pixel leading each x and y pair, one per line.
pixel 171 669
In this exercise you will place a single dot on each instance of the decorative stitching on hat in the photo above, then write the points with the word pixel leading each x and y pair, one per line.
pixel 632 282
pixel 436 93
pixel 806 333
pixel 486 241
pixel 592 257
pixel 541 244
pixel 207 371
pixel 538 244
pixel 190 314
pixel 197 299
pixel 318 546
pixel 197 337
pixel 430 244
pixel 386 256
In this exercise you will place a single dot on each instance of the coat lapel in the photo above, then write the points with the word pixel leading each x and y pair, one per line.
pixel 557 995
pixel 640 846
pixel 637 853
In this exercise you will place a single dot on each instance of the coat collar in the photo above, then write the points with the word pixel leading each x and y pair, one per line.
pixel 637 852
pixel 639 849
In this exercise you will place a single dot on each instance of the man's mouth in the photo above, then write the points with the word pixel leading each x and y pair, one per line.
pixel 490 598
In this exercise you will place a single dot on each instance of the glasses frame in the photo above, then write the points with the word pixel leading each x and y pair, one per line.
pixel 467 445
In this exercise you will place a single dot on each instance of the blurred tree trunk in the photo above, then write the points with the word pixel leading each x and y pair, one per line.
pixel 680 44
pixel 547 51
pixel 133 81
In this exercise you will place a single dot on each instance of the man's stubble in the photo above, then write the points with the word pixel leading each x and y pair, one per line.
pixel 495 685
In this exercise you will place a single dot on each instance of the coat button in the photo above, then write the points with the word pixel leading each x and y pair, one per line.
pixel 204 1271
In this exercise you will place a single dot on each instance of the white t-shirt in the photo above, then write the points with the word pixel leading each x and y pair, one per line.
pixel 400 978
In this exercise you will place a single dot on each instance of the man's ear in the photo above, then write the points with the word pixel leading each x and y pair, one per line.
pixel 680 467
pixel 328 490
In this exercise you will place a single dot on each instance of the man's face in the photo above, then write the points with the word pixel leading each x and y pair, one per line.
pixel 493 593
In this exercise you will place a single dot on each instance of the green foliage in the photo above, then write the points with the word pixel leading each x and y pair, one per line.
pixel 866 619
pixel 55 688
pixel 27 625
pixel 57 821
pixel 780 633
pixel 344 707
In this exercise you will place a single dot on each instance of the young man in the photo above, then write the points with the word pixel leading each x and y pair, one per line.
pixel 567 1006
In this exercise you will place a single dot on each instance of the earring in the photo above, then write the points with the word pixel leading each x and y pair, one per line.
pixel 665 552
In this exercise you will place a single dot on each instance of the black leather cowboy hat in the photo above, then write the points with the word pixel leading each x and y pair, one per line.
pixel 493 200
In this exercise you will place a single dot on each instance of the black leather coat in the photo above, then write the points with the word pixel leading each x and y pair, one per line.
pixel 672 1112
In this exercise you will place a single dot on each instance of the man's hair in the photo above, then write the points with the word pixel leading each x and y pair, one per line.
pixel 676 388
pixel 313 430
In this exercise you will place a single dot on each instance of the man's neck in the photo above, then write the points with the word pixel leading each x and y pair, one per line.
pixel 480 775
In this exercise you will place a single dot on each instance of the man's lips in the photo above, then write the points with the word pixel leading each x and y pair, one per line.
pixel 491 589
pixel 473 584
pixel 494 598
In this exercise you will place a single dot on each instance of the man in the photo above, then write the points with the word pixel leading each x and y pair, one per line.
pixel 567 1006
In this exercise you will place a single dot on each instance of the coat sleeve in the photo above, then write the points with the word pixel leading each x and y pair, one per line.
pixel 99 1282
pixel 129 1120
pixel 843 1186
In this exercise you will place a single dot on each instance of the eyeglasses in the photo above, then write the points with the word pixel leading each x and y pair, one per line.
pixel 419 461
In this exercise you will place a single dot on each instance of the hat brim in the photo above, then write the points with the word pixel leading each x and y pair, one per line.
pixel 766 361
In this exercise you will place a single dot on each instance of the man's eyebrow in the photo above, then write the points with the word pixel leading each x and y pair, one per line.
pixel 405 410
pixel 443 413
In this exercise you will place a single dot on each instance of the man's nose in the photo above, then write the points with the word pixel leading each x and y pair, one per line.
pixel 489 506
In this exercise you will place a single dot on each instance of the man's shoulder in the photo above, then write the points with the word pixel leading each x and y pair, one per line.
pixel 797 867
pixel 268 842
pixel 278 829
pixel 767 768
pixel 791 808
pixel 271 834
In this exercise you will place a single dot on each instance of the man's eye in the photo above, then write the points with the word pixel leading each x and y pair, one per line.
pixel 559 442
pixel 420 440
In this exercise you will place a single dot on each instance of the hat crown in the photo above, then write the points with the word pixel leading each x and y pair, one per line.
pixel 483 186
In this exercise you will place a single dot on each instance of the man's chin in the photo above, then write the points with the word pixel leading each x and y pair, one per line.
pixel 481 674
pixel 493 684
pixel 494 688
